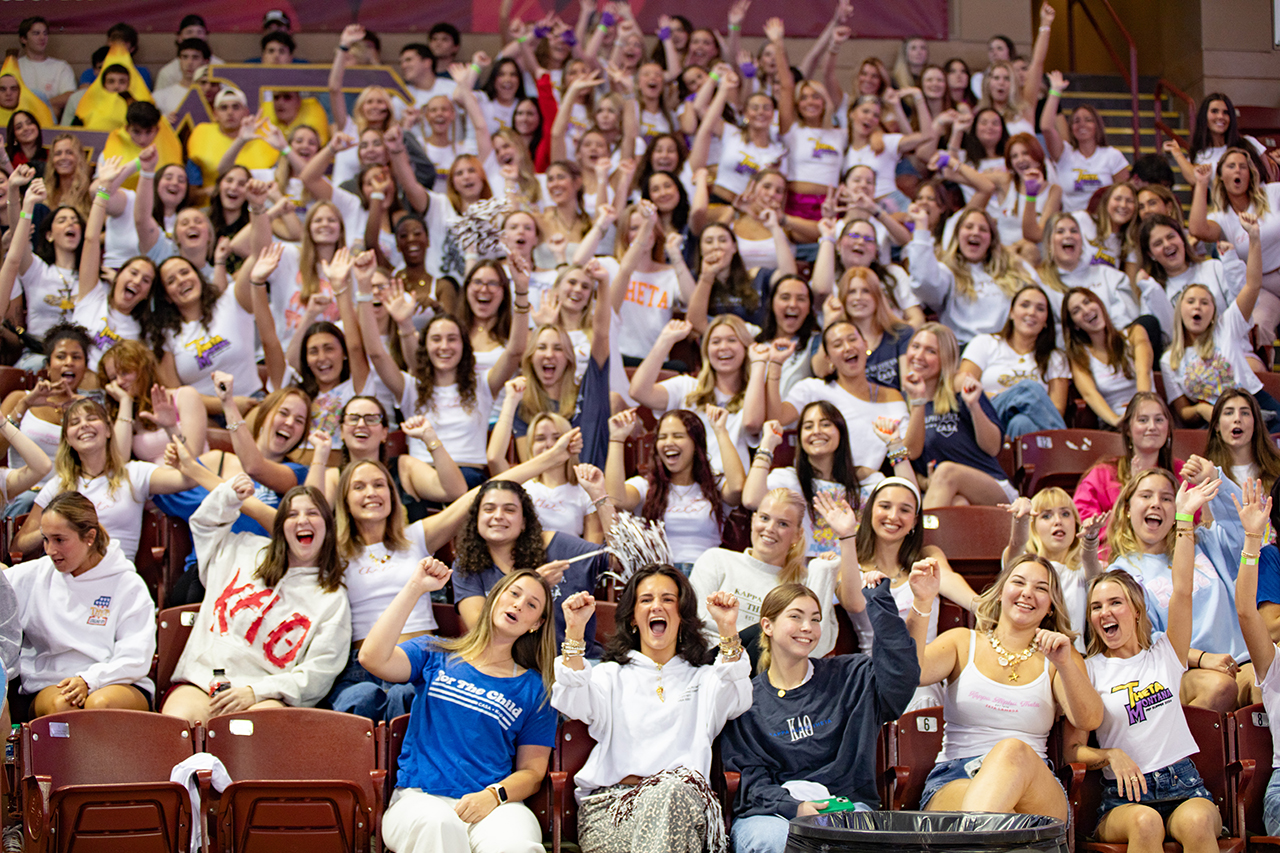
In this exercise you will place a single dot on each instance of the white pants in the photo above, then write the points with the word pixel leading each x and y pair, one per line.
pixel 418 822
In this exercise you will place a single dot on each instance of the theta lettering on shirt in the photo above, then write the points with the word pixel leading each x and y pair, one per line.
pixel 648 295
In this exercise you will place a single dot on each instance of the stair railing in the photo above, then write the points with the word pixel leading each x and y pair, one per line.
pixel 1130 74
pixel 1164 129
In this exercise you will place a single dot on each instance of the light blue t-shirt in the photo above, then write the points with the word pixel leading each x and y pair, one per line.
pixel 465 726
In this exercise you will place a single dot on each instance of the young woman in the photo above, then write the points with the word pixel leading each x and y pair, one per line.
pixel 1216 129
pixel 858 693
pixel 1085 162
pixel 1238 441
pixel 1020 656
pixel 680 490
pixel 1000 92
pixel 49 278
pixel 645 787
pixel 1151 786
pixel 975 280
pixel 572 303
pixel 130 376
pixel 1049 526
pixel 790 330
pixel 161 195
pixel 287 585
pixel 1023 196
pixel 861 242
pixel 1067 265
pixel 743 151
pixel 24 144
pixel 823 466
pixel 730 281
pixel 807 126
pixel 890 541
pixel 1108 367
pixel 303 270
pixel 67 174
pixel 1210 348
pixel 1168 258
pixel 868 145
pixel 776 556
pixel 119 310
pixel 39 413
pixel 89 461
pixel 864 302
pixel 1021 369
pixel 953 425
pixel 1142 539
pixel 76 651
pixel 197 330
pixel 445 382
pixel 1254 515
pixel 331 369
pixel 727 379
pixel 456 793
pixel 565 211
pixel 958 82
pixel 849 389
pixel 1215 216
pixel 228 208
pixel 502 533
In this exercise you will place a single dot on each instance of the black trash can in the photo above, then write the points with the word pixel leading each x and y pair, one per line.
pixel 909 832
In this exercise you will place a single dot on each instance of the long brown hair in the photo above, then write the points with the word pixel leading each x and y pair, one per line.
pixel 274 563
pixel 464 374
pixel 308 257
pixel 625 639
pixel 655 501
pixel 778 600
pixel 79 512
pixel 1116 347
pixel 1264 452
pixel 393 538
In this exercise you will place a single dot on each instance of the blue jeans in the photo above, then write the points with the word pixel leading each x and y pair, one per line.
pixel 1271 805
pixel 1167 788
pixel 358 691
pixel 766 833
pixel 1025 408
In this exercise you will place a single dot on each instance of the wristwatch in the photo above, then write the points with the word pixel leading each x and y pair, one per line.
pixel 499 792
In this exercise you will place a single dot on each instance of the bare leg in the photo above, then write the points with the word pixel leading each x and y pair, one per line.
pixel 1196 824
pixel 188 702
pixel 1207 688
pixel 1247 693
pixel 122 696
pixel 50 701
pixel 951 480
pixel 1141 827
pixel 1014 779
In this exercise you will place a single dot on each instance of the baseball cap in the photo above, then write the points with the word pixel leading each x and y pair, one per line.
pixel 275 16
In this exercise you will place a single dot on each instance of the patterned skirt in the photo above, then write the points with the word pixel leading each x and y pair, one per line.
pixel 674 811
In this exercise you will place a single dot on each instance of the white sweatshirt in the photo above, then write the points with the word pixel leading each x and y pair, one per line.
pixel 287 643
pixel 635 731
pixel 751 580
pixel 100 626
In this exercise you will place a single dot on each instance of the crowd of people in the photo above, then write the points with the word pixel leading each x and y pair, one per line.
pixel 613 272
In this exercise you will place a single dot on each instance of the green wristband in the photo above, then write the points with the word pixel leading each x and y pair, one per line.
pixel 1184 516
pixel 1055 92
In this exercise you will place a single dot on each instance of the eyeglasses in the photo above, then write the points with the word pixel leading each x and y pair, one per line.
pixel 866 238
pixel 353 419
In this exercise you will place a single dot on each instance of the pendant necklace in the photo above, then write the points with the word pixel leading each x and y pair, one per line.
pixel 1008 658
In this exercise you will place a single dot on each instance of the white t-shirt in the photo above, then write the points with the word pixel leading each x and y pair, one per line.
pixel 1002 367
pixel 1142 714
pixel 1116 388
pixel 48 78
pixel 1268 228
pixel 647 305
pixel 1213 155
pixel 1270 685
pixel 442 157
pixel 171 72
pixel 286 294
pixel 120 514
pixel 227 345
pixel 355 218
pixel 740 160
pixel 377 575
pixel 690 525
pixel 440 215
pixel 51 295
pixel 885 163
pixel 120 242
pixel 1080 176
pixel 860 415
pixel 464 433
pixel 106 325
pixel 816 154
pixel 1204 379
pixel 562 509
pixel 680 387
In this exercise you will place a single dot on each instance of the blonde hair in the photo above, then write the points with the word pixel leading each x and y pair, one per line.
pixel 536 398
pixel 393 536
pixel 562 426
pixel 530 191
pixel 704 392
pixel 75 192
pixel 67 460
pixel 1121 538
pixel 778 600
pixel 1137 599
pixel 944 395
pixel 308 257
pixel 1007 272
pixel 1052 498
pixel 1257 191
pixel 793 568
pixel 1013 107
pixel 357 109
pixel 587 324
pixel 987 612
pixel 1182 341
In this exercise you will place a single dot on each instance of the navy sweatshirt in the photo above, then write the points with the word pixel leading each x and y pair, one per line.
pixel 825 730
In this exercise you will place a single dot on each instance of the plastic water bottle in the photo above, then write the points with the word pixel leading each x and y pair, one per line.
pixel 219 683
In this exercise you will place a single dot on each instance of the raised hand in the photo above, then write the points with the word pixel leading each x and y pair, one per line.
pixel 837 513
pixel 622 425
pixel 1058 82
pixel 970 390
pixel 925 581
pixel 578 610
pixel 1255 511
pixel 886 429
pixel 1055 647
pixel 320 438
pixel 771 436
pixel 430 576
pixel 1191 498
pixel 164 410
pixel 591 479
pixel 1020 508
pixel 719 417
pixel 266 263
pixel 243 486
pixel 224 384
pixel 1195 470
pixel 723 607
pixel 568 444
pixel 1203 174
pixel 337 269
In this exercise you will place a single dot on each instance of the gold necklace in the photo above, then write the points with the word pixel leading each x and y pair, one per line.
pixel 1008 658
pixel 661 698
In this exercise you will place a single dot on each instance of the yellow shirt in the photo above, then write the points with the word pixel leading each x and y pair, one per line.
pixel 207 145
pixel 120 144
pixel 310 113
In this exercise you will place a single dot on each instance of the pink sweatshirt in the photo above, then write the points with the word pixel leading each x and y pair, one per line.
pixel 1098 491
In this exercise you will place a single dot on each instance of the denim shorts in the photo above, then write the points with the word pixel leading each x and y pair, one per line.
pixel 1167 788
pixel 955 769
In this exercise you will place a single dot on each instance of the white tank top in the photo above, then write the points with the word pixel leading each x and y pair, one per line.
pixel 43 433
pixel 980 712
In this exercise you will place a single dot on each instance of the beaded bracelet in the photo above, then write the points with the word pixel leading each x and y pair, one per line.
pixel 573 648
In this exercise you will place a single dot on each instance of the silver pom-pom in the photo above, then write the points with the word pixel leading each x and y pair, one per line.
pixel 636 543
pixel 479 230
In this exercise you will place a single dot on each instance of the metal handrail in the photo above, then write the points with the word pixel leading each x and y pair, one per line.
pixel 1163 129
pixel 1130 75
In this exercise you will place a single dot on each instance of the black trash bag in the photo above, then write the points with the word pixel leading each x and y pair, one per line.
pixel 909 832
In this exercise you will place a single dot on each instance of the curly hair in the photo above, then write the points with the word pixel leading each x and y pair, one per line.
pixel 655 501
pixel 166 317
pixel 473 550
pixel 464 374
pixel 131 357
pixel 690 644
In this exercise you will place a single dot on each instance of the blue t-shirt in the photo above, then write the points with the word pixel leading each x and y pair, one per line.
pixel 882 364
pixel 1269 574
pixel 465 726
pixel 591 413
pixel 88 76
pixel 579 577
pixel 950 438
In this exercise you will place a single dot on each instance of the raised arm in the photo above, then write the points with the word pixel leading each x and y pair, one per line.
pixel 644 382
pixel 509 362
pixel 259 269
pixel 621 427
pixel 351 34
pixel 145 199
pixel 18 480
pixel 406 179
pixel 734 476
pixel 500 433
pixel 1039 50
pixel 312 175
pixel 380 653
pixel 274 475
pixel 1254 515
pixel 1200 225
pixel 1054 144
pixel 756 485
pixel 1019 529
pixel 1190 499
pixel 1253 267
pixel 712 122
pixel 18 258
